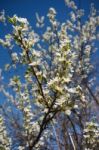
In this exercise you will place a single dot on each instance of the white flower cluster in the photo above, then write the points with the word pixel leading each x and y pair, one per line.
pixel 5 141
pixel 40 21
pixel 14 57
pixel 52 13
pixel 71 4
pixel 2 16
pixel 91 134
pixel 7 42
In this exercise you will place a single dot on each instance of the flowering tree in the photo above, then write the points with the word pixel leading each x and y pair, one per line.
pixel 50 104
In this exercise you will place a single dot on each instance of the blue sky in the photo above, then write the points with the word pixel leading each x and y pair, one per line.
pixel 27 8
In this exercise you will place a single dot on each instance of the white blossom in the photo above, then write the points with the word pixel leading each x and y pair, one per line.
pixel 14 56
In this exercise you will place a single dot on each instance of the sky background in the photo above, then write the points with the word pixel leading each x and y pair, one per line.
pixel 27 8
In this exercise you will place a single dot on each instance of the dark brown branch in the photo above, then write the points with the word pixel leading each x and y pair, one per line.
pixel 45 122
pixel 73 126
